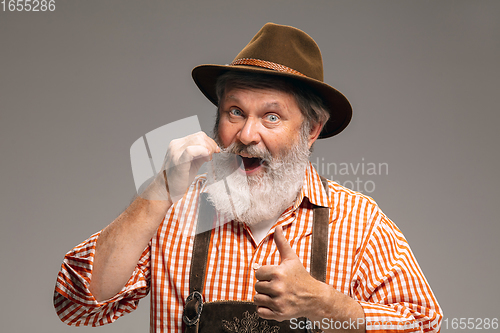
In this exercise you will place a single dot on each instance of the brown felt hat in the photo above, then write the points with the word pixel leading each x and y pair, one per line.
pixel 288 52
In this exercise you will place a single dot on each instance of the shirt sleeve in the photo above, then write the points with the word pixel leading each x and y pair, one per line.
pixel 390 285
pixel 74 303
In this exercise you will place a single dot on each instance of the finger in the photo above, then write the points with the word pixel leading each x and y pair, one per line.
pixel 195 152
pixel 214 148
pixel 196 139
pixel 263 300
pixel 266 288
pixel 201 138
pixel 270 314
pixel 266 273
pixel 266 313
pixel 265 306
pixel 286 252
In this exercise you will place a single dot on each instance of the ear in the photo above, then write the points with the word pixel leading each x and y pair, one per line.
pixel 314 133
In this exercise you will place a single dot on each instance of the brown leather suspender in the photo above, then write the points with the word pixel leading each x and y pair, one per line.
pixel 194 302
pixel 206 217
pixel 319 246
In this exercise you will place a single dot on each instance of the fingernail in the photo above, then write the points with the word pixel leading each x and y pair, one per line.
pixel 256 266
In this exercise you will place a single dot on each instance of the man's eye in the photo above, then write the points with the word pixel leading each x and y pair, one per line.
pixel 235 112
pixel 273 118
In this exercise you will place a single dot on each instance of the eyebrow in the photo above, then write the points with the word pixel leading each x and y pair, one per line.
pixel 231 97
pixel 268 105
pixel 272 105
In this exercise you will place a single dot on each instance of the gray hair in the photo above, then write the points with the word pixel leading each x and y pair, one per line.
pixel 310 104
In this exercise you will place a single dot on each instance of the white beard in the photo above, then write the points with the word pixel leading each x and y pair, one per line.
pixel 253 199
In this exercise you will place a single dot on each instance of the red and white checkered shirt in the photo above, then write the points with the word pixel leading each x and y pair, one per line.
pixel 368 259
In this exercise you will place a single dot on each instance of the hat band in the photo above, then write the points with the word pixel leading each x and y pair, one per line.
pixel 265 64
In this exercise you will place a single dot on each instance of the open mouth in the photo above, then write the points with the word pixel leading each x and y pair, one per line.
pixel 250 163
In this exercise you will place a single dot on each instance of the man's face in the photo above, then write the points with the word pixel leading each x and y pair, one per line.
pixel 264 127
pixel 265 119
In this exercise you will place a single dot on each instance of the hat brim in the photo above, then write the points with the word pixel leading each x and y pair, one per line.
pixel 205 77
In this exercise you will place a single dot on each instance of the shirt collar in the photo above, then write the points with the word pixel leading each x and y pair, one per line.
pixel 312 189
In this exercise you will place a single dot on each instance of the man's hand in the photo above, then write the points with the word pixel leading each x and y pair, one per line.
pixel 286 291
pixel 183 159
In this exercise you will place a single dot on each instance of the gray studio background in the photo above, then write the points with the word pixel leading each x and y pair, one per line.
pixel 79 85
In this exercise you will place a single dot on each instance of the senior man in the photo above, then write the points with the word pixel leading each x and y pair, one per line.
pixel 270 247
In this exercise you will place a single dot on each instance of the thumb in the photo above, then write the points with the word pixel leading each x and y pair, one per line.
pixel 286 252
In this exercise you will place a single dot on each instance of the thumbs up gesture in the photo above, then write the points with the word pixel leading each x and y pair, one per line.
pixel 287 291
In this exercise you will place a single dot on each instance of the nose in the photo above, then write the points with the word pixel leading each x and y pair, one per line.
pixel 249 133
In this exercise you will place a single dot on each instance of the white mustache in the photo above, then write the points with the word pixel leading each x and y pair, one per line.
pixel 238 148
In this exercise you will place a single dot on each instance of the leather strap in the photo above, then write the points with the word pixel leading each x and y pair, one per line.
pixel 319 246
pixel 206 218
pixel 194 303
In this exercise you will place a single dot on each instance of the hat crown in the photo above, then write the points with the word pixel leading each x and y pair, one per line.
pixel 287 46
pixel 289 53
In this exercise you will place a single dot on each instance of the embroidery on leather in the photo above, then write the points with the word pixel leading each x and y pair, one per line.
pixel 248 324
